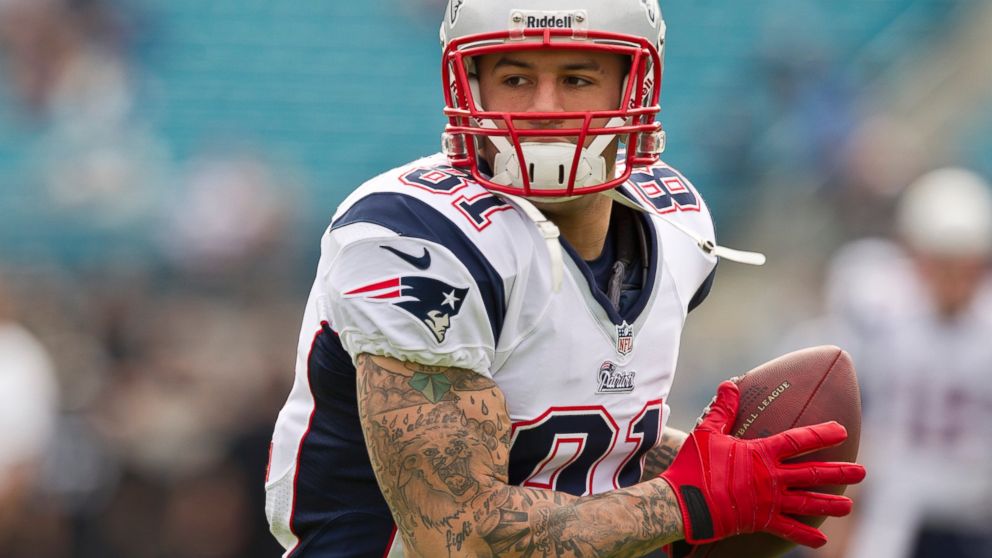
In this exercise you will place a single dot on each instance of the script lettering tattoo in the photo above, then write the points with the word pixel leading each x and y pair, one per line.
pixel 439 442
pixel 660 457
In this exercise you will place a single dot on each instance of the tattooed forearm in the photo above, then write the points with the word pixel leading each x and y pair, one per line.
pixel 439 441
pixel 628 522
pixel 658 458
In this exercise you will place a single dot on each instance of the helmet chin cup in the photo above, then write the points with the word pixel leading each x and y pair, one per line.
pixel 548 166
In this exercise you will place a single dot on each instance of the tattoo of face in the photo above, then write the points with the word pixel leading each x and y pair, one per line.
pixel 430 441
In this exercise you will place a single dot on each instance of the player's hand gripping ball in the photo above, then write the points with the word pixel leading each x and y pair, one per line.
pixel 771 457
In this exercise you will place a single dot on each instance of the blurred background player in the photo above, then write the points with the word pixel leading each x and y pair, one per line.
pixel 916 314
pixel 928 394
pixel 28 411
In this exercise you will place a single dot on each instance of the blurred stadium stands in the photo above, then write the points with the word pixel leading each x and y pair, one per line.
pixel 343 90
pixel 179 180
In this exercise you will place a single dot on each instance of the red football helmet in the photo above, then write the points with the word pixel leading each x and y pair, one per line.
pixel 552 163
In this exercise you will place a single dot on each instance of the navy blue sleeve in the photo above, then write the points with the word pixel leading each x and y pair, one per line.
pixel 703 291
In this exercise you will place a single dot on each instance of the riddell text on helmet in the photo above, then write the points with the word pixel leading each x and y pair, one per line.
pixel 554 22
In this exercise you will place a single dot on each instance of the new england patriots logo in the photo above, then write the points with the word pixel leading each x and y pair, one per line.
pixel 431 301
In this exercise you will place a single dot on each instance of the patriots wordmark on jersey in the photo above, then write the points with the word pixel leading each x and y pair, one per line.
pixel 423 264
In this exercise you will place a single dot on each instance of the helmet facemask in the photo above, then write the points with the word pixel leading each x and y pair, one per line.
pixel 553 162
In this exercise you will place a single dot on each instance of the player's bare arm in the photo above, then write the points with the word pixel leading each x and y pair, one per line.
pixel 439 440
pixel 658 458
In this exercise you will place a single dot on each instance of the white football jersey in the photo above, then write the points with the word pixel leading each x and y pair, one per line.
pixel 423 264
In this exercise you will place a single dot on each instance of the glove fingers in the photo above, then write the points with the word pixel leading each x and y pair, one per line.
pixel 815 503
pixel 723 410
pixel 807 475
pixel 799 533
pixel 798 441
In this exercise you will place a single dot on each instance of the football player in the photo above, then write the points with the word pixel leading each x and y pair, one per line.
pixel 487 352
pixel 928 398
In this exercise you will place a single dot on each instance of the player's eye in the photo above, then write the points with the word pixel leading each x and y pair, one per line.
pixel 515 81
pixel 577 81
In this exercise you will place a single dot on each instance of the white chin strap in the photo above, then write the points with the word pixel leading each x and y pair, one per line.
pixel 549 164
pixel 707 246
pixel 550 233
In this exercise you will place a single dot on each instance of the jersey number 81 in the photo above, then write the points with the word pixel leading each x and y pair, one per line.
pixel 563 448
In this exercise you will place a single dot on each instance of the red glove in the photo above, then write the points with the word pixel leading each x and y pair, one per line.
pixel 727 486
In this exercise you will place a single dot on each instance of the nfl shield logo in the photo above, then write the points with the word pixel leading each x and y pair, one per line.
pixel 625 338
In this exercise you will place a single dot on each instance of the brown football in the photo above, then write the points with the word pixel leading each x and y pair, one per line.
pixel 798 389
